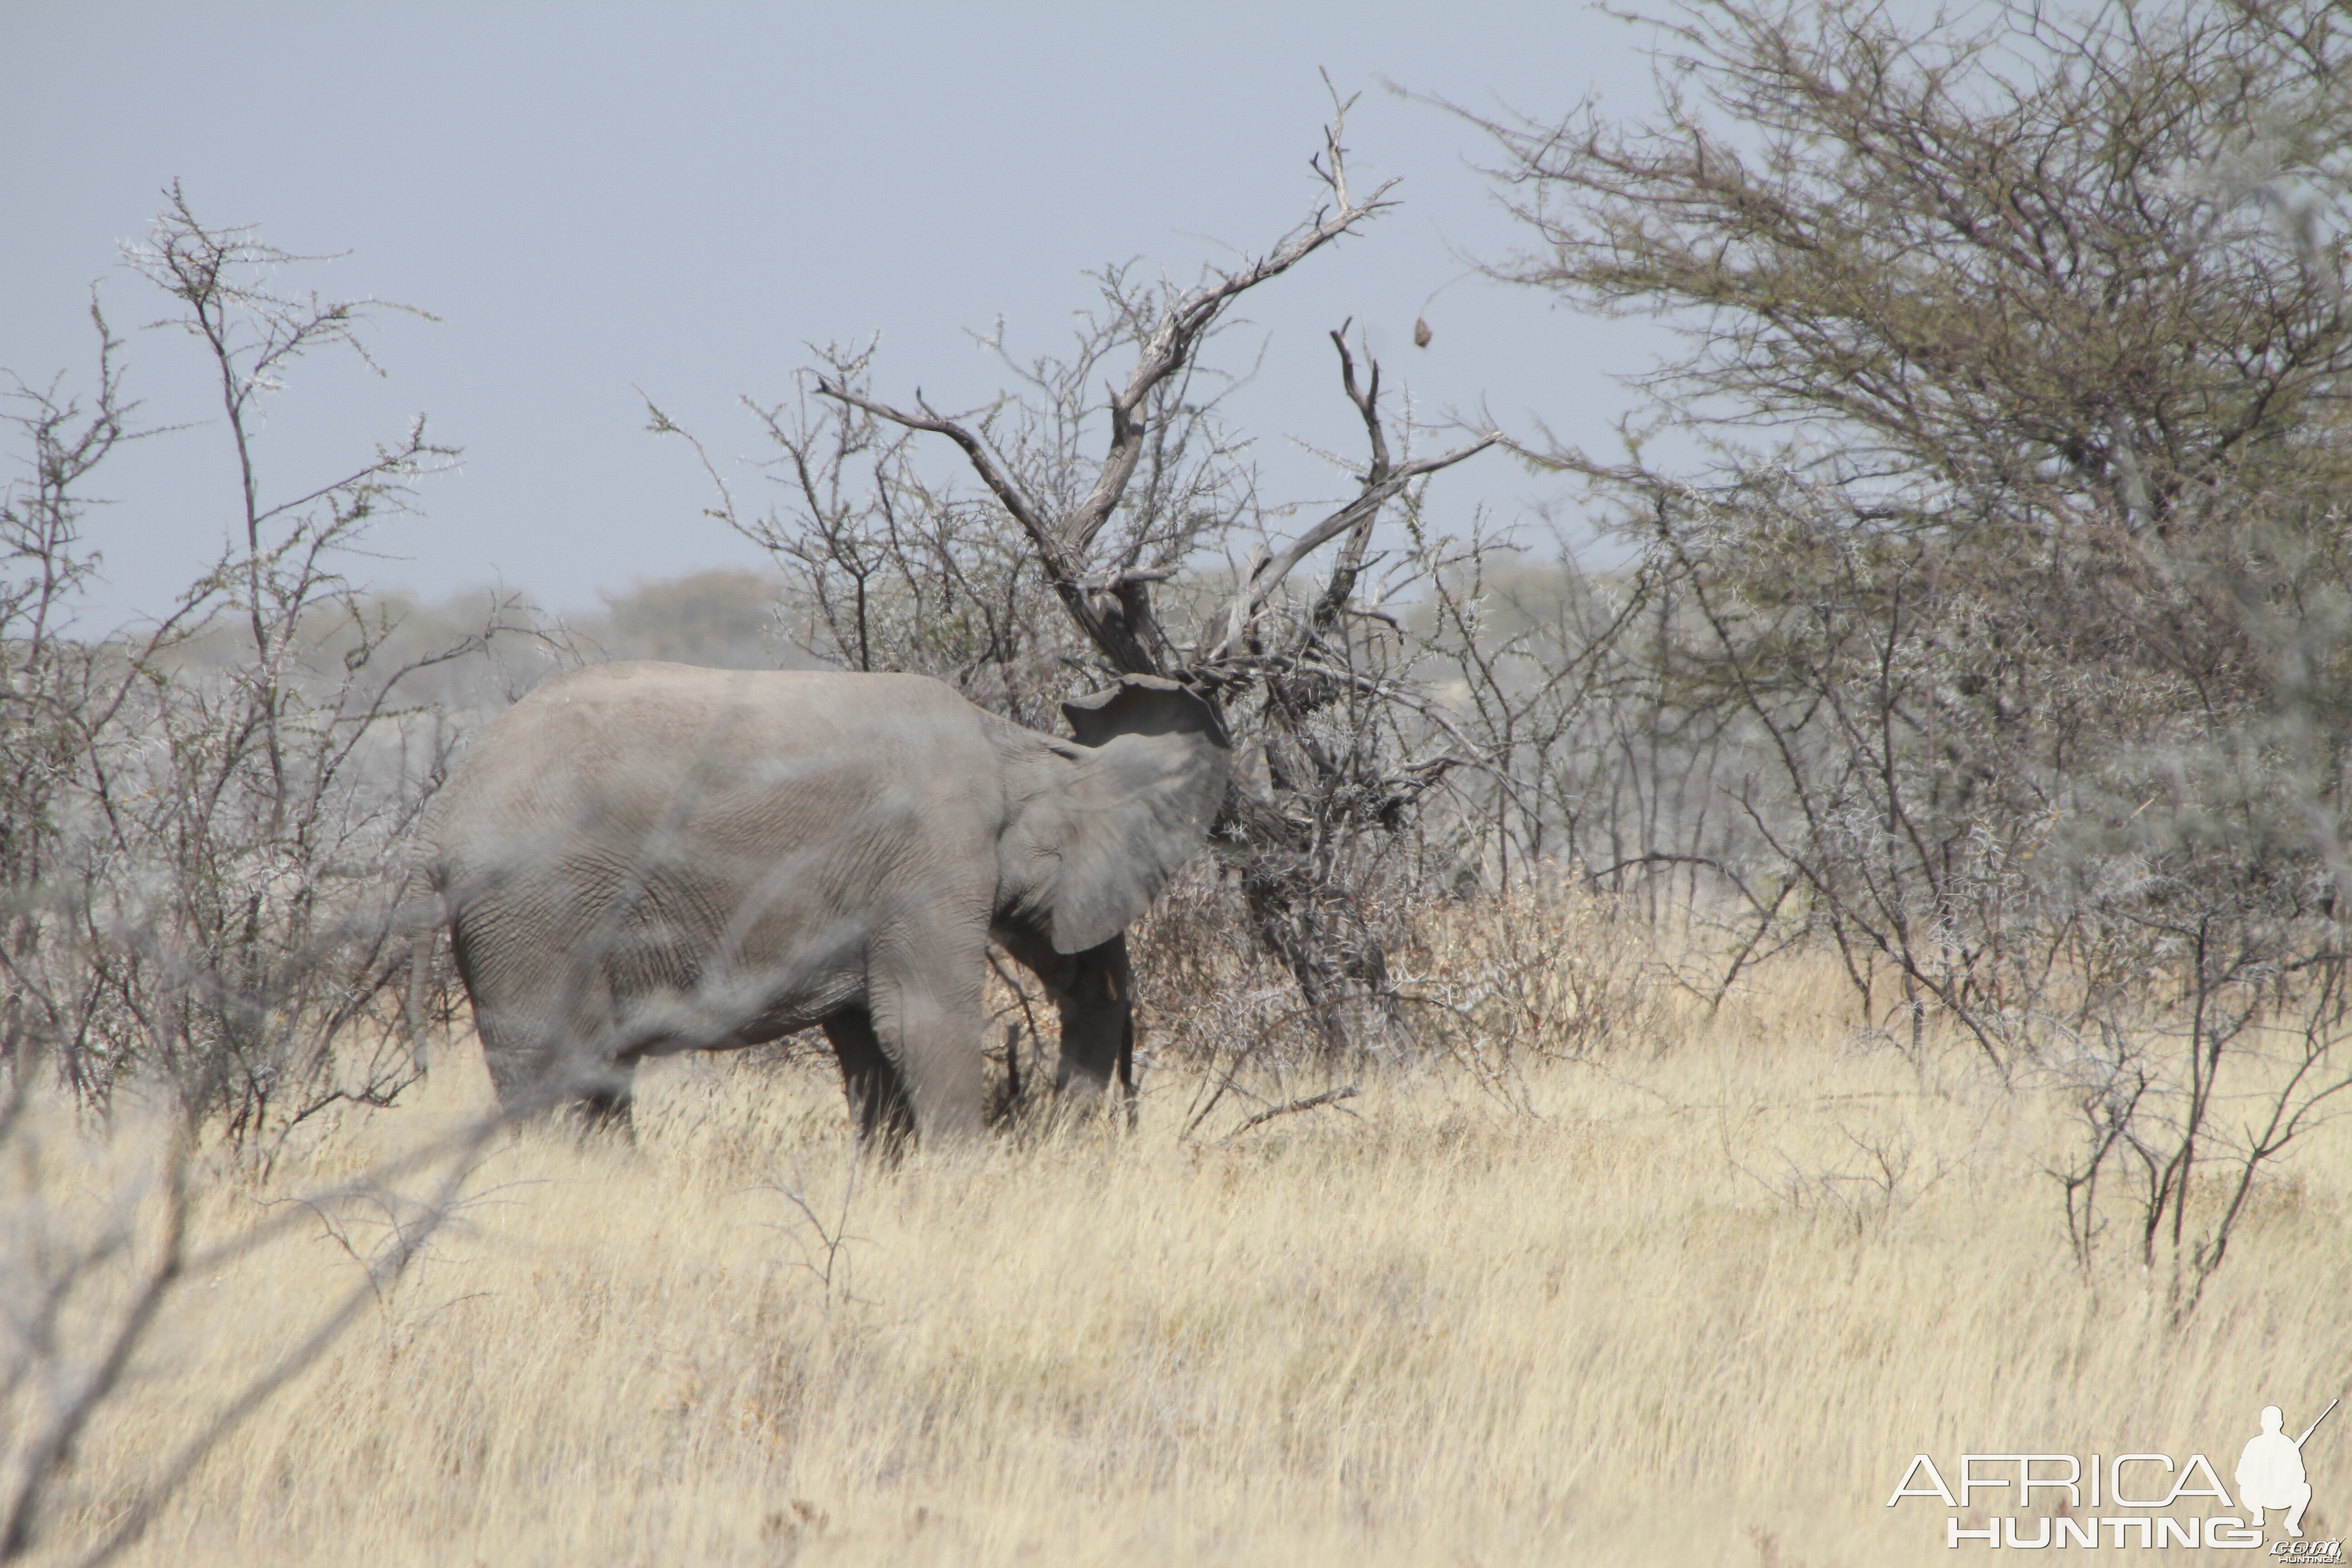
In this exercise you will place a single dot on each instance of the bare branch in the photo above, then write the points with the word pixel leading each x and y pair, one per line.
pixel 1123 632
pixel 1267 574
pixel 1313 1101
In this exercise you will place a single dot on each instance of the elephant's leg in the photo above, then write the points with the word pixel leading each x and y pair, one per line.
pixel 930 1016
pixel 1094 991
pixel 609 1099
pixel 877 1098
pixel 1126 1068
pixel 537 1067
pixel 519 1049
pixel 544 1023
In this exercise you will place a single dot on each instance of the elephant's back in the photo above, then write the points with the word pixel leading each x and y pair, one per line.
pixel 639 695
pixel 614 748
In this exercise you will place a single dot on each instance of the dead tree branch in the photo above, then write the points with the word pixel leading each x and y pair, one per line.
pixel 1328 1097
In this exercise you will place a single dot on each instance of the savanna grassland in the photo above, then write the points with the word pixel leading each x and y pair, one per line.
pixel 1699 1300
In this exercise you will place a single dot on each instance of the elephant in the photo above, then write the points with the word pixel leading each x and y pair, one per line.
pixel 641 858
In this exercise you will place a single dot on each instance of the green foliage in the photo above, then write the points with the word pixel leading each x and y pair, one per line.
pixel 2017 558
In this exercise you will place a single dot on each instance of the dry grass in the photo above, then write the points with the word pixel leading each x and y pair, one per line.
pixel 1697 1305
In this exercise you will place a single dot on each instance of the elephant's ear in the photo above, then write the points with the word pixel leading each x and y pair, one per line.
pixel 1134 802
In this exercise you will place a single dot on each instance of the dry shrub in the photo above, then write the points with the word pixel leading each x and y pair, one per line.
pixel 1206 990
pixel 1551 970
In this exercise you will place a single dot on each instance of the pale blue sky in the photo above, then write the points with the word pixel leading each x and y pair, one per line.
pixel 594 197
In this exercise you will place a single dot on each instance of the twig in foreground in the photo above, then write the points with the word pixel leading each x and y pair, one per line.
pixel 1328 1097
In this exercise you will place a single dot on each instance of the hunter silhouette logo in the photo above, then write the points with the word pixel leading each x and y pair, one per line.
pixel 2270 1473
pixel 2031 1500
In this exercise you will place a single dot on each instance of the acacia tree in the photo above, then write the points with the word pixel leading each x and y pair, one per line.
pixel 2020 553
pixel 1066 565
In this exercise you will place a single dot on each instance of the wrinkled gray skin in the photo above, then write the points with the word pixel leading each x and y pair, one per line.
pixel 643 858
